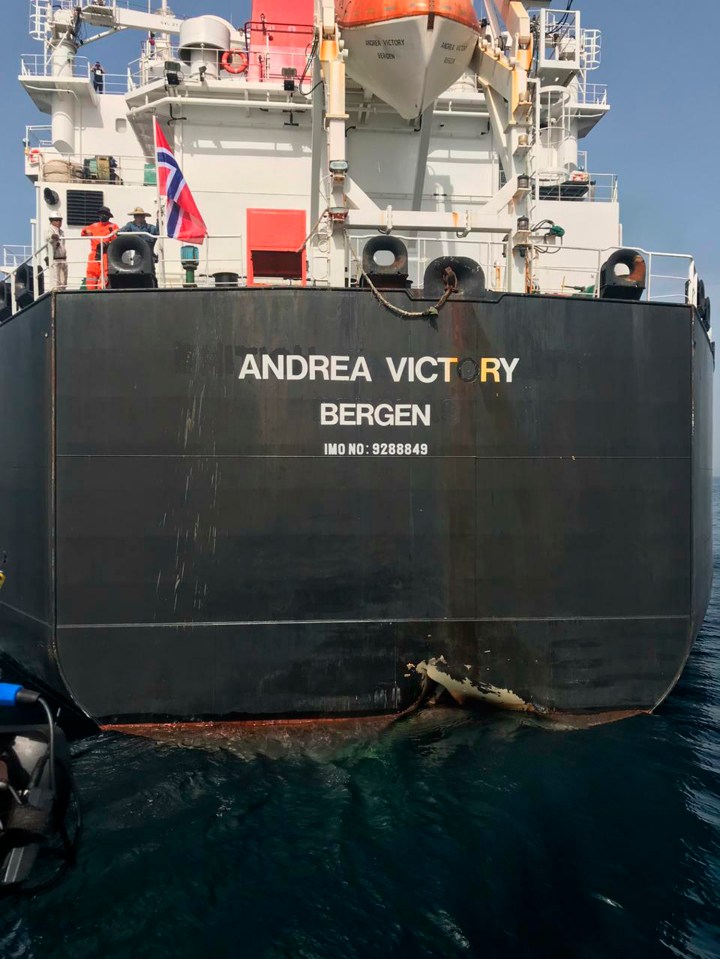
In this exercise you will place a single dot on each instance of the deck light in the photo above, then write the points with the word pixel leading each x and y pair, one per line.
pixel 289 74
pixel 173 73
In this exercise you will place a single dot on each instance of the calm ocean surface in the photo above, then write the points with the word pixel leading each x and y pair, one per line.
pixel 446 836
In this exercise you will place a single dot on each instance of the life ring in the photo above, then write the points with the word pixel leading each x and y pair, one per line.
pixel 228 64
pixel 34 157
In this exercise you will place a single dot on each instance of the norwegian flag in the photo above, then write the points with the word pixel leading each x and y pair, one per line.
pixel 182 217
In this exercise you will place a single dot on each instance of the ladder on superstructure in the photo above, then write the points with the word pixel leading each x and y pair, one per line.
pixel 40 13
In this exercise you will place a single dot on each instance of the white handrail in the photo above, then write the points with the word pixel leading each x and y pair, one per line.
pixel 226 253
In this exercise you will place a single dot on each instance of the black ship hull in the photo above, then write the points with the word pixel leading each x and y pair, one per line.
pixel 263 503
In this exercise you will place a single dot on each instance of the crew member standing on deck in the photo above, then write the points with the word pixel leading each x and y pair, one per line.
pixel 98 77
pixel 100 233
pixel 56 254
pixel 139 224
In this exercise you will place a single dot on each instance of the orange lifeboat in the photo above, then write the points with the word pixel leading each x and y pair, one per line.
pixel 408 52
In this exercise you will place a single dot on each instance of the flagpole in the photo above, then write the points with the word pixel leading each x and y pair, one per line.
pixel 183 217
pixel 160 210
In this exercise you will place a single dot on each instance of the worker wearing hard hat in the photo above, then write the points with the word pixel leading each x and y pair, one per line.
pixel 56 255
pixel 100 233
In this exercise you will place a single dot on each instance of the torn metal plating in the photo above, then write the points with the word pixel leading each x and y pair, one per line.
pixel 456 681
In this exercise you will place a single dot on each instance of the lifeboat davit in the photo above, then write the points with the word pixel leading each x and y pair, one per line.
pixel 407 52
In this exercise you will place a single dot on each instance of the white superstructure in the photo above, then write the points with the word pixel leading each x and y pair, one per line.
pixel 291 138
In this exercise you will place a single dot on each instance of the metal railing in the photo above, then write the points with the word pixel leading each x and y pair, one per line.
pixel 144 6
pixel 39 13
pixel 560 37
pixel 112 83
pixel 423 249
pixel 139 71
pixel 221 263
pixel 441 201
pixel 669 276
pixel 562 271
pixel 590 56
pixel 580 186
pixel 41 66
pixel 150 65
pixel 592 94
pixel 263 66
pixel 13 255
pixel 91 168
pixel 37 138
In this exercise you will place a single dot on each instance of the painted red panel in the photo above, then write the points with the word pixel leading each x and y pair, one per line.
pixel 297 12
pixel 280 232
pixel 281 36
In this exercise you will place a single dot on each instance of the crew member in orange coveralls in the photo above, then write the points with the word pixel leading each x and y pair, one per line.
pixel 100 233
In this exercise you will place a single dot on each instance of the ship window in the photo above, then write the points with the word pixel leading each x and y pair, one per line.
pixel 120 125
pixel 83 206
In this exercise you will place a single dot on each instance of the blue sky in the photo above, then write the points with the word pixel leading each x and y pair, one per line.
pixel 662 135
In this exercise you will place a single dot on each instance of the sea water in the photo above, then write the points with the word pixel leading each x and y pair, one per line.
pixel 446 835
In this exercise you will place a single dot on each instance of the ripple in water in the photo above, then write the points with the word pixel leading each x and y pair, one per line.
pixel 445 836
